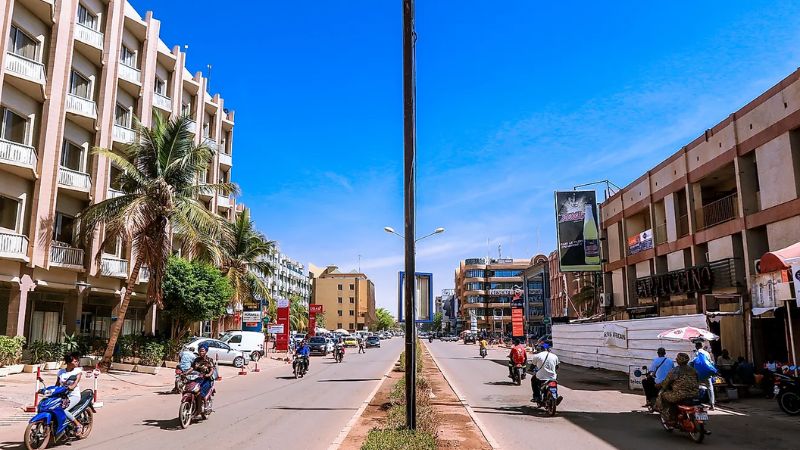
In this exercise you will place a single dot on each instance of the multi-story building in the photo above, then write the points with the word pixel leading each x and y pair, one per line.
pixel 446 304
pixel 73 75
pixel 685 236
pixel 564 286
pixel 485 288
pixel 348 298
pixel 289 278
pixel 536 296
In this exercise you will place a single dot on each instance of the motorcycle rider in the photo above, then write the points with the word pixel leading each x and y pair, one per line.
pixel 680 385
pixel 205 366
pixel 544 365
pixel 303 351
pixel 339 347
pixel 70 378
pixel 517 355
pixel 484 345
pixel 659 368
pixel 186 358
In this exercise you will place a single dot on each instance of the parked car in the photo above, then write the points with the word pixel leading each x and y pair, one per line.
pixel 318 345
pixel 250 343
pixel 350 341
pixel 373 341
pixel 469 338
pixel 219 351
pixel 450 338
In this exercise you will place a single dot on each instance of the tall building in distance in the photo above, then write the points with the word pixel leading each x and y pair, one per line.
pixel 73 75
pixel 687 235
pixel 348 298
pixel 536 295
pixel 446 304
pixel 289 278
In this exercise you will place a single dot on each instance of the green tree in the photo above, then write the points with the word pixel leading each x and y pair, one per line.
pixel 159 201
pixel 193 291
pixel 321 320
pixel 437 322
pixel 385 319
pixel 298 313
pixel 244 263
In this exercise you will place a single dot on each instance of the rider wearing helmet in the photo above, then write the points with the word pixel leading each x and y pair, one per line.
pixel 544 365
pixel 517 355
pixel 205 366
pixel 303 351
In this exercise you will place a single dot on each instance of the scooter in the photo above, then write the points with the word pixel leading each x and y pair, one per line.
pixel 692 419
pixel 787 392
pixel 300 366
pixel 548 395
pixel 50 425
pixel 483 352
pixel 338 354
pixel 517 372
pixel 192 403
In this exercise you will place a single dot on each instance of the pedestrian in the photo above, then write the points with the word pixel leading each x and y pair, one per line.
pixel 659 369
pixel 725 366
pixel 703 359
pixel 361 348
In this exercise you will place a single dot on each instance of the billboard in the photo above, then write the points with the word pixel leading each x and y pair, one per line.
pixel 423 295
pixel 577 231
pixel 640 242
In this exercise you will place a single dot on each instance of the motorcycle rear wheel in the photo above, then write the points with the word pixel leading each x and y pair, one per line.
pixel 296 372
pixel 37 435
pixel 86 418
pixel 551 407
pixel 789 402
pixel 699 432
pixel 185 414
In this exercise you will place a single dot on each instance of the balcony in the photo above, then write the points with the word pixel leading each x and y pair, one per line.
pixel 112 266
pixel 162 102
pixel 25 68
pixel 65 255
pixel 225 160
pixel 718 211
pixel 210 143
pixel 131 74
pixel 113 193
pixel 144 274
pixel 660 232
pixel 13 246
pixel 81 106
pixel 191 125
pixel 89 36
pixel 73 179
pixel 17 154
pixel 123 135
pixel 223 201
pixel 683 225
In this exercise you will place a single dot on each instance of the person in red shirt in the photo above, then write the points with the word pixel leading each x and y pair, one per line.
pixel 518 355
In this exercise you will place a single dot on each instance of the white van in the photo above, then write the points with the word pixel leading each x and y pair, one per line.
pixel 251 343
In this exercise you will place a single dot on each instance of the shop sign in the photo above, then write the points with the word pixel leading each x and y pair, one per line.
pixel 640 242
pixel 251 316
pixel 768 288
pixel 275 328
pixel 634 380
pixel 501 291
pixel 697 279
pixel 615 335
pixel 517 327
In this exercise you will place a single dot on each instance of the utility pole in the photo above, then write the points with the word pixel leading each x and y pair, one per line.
pixel 409 158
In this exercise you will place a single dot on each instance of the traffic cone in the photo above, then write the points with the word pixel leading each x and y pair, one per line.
pixel 32 408
pixel 256 369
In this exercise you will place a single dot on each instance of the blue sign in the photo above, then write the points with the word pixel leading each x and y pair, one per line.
pixel 423 297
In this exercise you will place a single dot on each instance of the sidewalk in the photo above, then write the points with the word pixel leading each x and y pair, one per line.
pixel 16 391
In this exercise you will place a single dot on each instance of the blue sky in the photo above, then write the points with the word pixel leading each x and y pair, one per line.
pixel 515 100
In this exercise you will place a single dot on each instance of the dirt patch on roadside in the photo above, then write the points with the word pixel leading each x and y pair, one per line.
pixel 374 414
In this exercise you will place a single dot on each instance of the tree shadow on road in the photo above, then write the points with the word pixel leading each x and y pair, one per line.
pixel 344 380
pixel 165 424
pixel 12 446
pixel 290 377
pixel 295 408
pixel 499 383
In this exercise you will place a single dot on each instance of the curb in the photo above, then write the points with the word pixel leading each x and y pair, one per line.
pixel 492 442
pixel 357 415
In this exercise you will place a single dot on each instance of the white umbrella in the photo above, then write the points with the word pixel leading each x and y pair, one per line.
pixel 342 331
pixel 688 334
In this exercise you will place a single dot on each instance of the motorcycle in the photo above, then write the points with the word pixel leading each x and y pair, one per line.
pixel 787 392
pixel 50 425
pixel 649 377
pixel 548 395
pixel 300 366
pixel 483 352
pixel 180 381
pixel 338 354
pixel 192 403
pixel 692 419
pixel 517 372
pixel 430 338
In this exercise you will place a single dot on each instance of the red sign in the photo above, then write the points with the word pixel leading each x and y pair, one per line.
pixel 315 309
pixel 517 329
pixel 282 339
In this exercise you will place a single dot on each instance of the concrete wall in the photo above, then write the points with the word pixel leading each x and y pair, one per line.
pixel 775 172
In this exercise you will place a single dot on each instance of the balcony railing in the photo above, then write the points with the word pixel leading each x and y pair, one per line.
pixel 129 73
pixel 17 154
pixel 24 67
pixel 683 225
pixel 64 255
pixel 223 201
pixel 144 274
pixel 191 125
pixel 225 159
pixel 162 101
pixel 89 36
pixel 123 134
pixel 113 193
pixel 13 245
pixel 718 211
pixel 111 266
pixel 74 179
pixel 210 143
pixel 81 106
pixel 661 233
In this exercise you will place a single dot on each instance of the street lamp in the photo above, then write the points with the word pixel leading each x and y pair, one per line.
pixel 390 230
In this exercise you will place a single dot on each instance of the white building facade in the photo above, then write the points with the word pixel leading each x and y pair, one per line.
pixel 288 278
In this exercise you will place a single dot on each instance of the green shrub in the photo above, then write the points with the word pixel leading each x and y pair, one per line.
pixel 11 350
pixel 151 353
pixel 39 352
pixel 71 344
pixel 54 351
pixel 127 346
pixel 399 440
pixel 172 348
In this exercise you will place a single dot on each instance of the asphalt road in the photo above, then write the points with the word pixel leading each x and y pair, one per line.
pixel 267 410
pixel 597 412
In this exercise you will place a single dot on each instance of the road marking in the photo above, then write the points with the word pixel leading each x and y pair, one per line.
pixel 346 430
pixel 463 400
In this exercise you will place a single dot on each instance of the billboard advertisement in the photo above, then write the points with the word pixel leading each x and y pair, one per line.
pixel 282 339
pixel 423 294
pixel 640 242
pixel 578 231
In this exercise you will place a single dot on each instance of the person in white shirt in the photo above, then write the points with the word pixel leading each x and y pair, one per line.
pixel 70 378
pixel 544 365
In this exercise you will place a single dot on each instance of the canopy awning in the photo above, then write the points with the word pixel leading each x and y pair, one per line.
pixel 779 259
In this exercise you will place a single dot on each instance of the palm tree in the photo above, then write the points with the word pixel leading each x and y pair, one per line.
pixel 244 261
pixel 298 314
pixel 159 200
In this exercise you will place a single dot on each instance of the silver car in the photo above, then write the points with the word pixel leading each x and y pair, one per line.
pixel 219 351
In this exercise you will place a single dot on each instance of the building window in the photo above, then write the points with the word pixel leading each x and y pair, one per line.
pixel 127 57
pixel 340 287
pixel 113 247
pixel 352 327
pixel 352 300
pixel 122 116
pixel 63 228
pixel 475 273
pixel 86 18
pixel 505 273
pixel 161 87
pixel 339 325
pixel 340 313
pixel 340 299
pixel 72 156
pixel 114 178
pixel 186 108
pixel 79 85
pixel 473 286
pixel 352 287
pixel 23 45
pixel 14 127
pixel 9 210
pixel 352 313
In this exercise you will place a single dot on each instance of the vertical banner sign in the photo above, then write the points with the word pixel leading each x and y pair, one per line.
pixel 517 326
pixel 578 231
pixel 424 297
pixel 796 279
pixel 313 310
pixel 251 315
pixel 282 339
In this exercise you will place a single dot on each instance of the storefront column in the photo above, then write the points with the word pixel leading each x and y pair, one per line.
pixel 74 309
pixel 150 320
pixel 17 307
